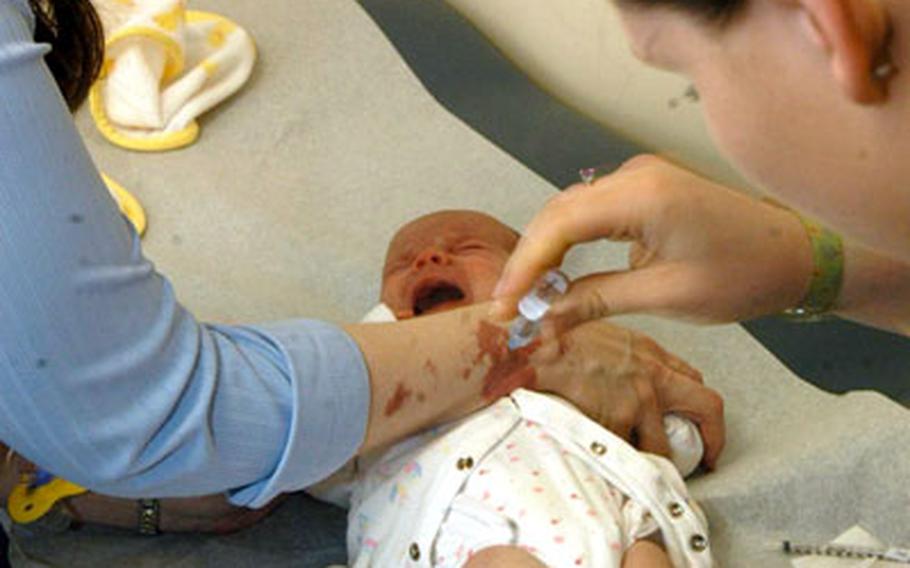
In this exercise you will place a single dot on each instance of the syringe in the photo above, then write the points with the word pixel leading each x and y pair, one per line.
pixel 551 285
pixel 892 554
pixel 534 306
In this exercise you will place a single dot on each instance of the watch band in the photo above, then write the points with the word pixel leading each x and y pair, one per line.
pixel 149 516
pixel 827 276
pixel 827 273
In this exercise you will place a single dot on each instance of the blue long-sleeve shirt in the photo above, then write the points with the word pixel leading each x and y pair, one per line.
pixel 105 379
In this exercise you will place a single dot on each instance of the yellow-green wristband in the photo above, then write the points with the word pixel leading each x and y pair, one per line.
pixel 827 276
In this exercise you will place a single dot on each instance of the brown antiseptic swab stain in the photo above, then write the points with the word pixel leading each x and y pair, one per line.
pixel 398 399
pixel 509 370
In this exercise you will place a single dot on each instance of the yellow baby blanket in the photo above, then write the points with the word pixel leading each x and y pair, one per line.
pixel 164 66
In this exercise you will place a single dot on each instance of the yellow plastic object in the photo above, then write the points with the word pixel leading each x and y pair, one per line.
pixel 129 205
pixel 27 505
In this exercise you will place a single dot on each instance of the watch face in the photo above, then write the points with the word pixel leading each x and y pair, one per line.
pixel 148 516
pixel 805 315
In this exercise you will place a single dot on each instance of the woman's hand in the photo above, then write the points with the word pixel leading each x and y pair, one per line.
pixel 627 382
pixel 700 251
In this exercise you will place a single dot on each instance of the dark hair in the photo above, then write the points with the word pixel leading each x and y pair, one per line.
pixel 73 30
pixel 717 11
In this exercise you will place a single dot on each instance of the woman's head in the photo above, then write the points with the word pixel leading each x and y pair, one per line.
pixel 791 96
pixel 73 30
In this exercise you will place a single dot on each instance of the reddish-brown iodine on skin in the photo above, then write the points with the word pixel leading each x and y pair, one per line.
pixel 395 403
pixel 508 370
pixel 507 376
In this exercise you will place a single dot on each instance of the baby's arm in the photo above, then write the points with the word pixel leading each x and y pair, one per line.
pixel 646 554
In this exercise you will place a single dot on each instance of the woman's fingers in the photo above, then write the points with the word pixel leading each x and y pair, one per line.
pixel 533 256
pixel 700 404
pixel 652 437
pixel 654 362
pixel 608 209
pixel 685 369
pixel 675 363
pixel 612 293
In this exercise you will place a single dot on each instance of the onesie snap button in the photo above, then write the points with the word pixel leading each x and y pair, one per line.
pixel 414 551
pixel 464 463
pixel 676 510
pixel 699 543
pixel 598 448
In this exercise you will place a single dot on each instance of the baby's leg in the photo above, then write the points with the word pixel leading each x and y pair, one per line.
pixel 646 554
pixel 504 557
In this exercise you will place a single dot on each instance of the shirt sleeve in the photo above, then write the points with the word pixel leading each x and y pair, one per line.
pixel 106 379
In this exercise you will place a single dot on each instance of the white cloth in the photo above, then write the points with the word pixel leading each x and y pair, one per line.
pixel 427 501
pixel 686 446
pixel 164 66
pixel 379 314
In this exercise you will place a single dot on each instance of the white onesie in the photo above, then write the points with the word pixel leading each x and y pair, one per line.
pixel 530 471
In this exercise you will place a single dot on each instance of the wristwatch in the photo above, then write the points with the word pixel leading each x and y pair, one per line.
pixel 149 516
pixel 827 275
pixel 827 272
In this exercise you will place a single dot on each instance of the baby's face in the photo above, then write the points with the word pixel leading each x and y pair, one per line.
pixel 444 260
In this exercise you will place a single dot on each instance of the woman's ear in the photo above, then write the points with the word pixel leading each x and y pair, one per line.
pixel 854 35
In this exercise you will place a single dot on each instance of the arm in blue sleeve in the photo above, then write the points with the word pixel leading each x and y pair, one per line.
pixel 106 379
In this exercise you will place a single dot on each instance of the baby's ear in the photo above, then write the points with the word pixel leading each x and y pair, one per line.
pixel 853 35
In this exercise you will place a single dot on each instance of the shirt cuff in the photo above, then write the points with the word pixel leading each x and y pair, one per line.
pixel 331 403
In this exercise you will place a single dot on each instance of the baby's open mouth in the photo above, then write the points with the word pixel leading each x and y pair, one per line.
pixel 433 296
